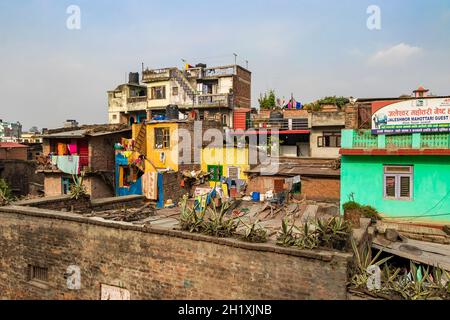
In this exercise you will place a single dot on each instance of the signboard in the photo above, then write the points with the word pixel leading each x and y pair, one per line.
pixel 410 116
pixel 114 293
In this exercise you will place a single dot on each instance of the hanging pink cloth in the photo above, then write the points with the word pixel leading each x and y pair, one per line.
pixel 72 148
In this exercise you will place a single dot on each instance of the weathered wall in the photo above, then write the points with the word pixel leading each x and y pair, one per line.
pixel 13 153
pixel 21 176
pixel 155 263
pixel 321 189
pixel 317 189
pixel 322 152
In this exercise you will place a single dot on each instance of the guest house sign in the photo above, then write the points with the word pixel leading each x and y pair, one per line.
pixel 409 116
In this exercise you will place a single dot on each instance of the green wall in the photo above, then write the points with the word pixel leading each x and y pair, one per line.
pixel 363 175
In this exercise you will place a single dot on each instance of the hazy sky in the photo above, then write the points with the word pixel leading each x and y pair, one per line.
pixel 314 48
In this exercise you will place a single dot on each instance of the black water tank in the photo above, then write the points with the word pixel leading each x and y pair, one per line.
pixel 172 112
pixel 200 65
pixel 276 115
pixel 133 78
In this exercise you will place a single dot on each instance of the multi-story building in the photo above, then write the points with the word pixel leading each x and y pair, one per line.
pixel 212 93
pixel 9 131
pixel 400 162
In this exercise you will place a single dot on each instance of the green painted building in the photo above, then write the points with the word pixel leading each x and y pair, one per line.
pixel 404 176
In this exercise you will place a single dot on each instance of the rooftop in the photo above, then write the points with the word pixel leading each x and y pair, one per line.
pixel 12 145
pixel 87 130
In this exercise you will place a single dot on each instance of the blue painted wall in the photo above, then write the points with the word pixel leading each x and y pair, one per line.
pixel 135 188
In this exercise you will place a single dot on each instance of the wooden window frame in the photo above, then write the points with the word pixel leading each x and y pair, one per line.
pixel 321 140
pixel 175 91
pixel 165 143
pixel 390 171
pixel 154 94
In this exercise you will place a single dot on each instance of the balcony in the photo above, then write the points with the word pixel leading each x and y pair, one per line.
pixel 280 124
pixel 364 142
pixel 214 101
pixel 156 75
pixel 136 103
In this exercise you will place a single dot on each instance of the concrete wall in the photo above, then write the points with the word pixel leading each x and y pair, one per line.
pixel 322 152
pixel 363 176
pixel 154 263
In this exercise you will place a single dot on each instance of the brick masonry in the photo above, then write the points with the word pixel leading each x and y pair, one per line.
pixel 155 263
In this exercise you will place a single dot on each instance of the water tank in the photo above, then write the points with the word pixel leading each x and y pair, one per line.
pixel 172 112
pixel 276 115
pixel 133 78
pixel 200 65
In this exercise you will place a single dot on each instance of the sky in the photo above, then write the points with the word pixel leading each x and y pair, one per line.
pixel 313 49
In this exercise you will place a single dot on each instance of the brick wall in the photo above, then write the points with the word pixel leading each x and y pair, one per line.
pixel 242 82
pixel 64 202
pixel 155 263
pixel 321 189
pixel 317 189
pixel 13 154
pixel 21 177
pixel 101 151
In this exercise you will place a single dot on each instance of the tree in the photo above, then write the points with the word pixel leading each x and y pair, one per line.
pixel 267 101
pixel 34 129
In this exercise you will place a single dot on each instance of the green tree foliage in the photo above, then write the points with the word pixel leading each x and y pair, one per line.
pixel 340 102
pixel 268 101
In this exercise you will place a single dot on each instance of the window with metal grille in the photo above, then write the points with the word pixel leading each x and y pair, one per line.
pixel 162 138
pixel 398 182
pixel 36 273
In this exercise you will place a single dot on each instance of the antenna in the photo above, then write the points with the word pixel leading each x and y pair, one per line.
pixel 235 58
pixel 246 64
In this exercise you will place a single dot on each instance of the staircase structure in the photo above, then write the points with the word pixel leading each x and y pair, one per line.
pixel 184 83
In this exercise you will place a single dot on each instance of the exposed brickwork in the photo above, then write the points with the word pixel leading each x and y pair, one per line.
pixel 13 153
pixel 321 189
pixel 21 177
pixel 156 263
pixel 318 189
pixel 242 88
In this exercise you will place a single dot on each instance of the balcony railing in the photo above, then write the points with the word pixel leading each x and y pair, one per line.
pixel 281 124
pixel 137 99
pixel 214 100
pixel 156 75
pixel 364 139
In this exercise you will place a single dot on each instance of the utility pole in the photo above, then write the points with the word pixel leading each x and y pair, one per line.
pixel 235 58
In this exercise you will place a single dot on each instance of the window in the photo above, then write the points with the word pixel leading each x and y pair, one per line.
pixel 36 273
pixel 114 116
pixel 233 173
pixel 162 138
pixel 398 182
pixel 158 92
pixel 175 91
pixel 128 175
pixel 216 173
pixel 329 140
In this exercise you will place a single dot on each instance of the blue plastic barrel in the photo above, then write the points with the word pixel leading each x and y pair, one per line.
pixel 255 196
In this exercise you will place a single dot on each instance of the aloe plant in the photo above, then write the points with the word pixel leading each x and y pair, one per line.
pixel 217 225
pixel 286 237
pixel 254 232
pixel 77 189
pixel 190 220
pixel 307 239
pixel 333 233
pixel 363 260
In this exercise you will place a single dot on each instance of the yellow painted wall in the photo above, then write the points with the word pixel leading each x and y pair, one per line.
pixel 154 155
pixel 226 157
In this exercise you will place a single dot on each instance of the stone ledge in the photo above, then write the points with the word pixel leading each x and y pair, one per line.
pixel 321 255
pixel 112 200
